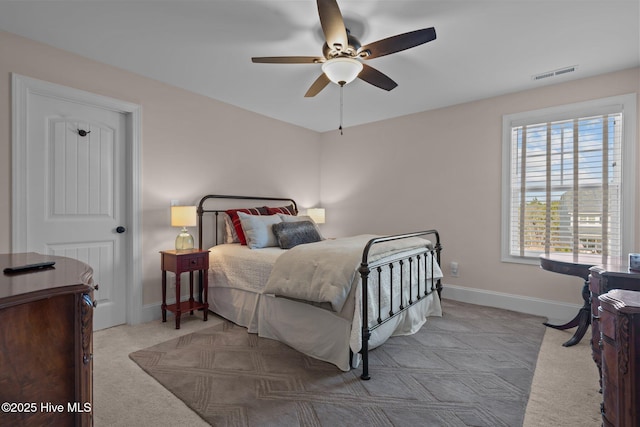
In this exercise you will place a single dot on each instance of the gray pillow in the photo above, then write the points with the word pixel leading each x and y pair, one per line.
pixel 290 234
pixel 297 218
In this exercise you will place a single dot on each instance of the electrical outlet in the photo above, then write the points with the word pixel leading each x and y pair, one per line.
pixel 454 268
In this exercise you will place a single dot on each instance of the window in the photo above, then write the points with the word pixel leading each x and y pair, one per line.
pixel 568 180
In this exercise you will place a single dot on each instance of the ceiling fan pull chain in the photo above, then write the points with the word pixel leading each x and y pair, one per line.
pixel 341 108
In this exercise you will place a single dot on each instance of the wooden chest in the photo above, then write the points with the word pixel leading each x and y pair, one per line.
pixel 619 314
pixel 46 360
pixel 602 279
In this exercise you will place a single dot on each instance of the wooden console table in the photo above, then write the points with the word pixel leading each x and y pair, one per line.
pixel 574 265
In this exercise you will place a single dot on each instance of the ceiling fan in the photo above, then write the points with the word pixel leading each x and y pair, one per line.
pixel 342 52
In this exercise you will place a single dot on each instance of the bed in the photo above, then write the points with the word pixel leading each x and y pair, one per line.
pixel 331 299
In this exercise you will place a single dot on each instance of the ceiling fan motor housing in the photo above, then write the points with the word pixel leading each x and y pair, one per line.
pixel 335 51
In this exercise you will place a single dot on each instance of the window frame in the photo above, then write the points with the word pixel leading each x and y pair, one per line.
pixel 626 104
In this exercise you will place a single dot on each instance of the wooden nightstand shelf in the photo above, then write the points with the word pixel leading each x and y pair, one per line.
pixel 183 261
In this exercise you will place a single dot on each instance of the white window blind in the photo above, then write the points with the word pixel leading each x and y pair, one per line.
pixel 566 189
pixel 566 184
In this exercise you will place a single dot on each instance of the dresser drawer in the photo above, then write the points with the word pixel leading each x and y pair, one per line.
pixel 193 263
pixel 607 324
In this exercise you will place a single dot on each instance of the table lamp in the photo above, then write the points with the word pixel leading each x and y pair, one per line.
pixel 183 216
pixel 316 214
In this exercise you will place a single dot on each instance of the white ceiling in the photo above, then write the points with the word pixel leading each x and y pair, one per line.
pixel 483 48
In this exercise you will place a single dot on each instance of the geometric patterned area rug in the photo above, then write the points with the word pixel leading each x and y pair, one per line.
pixel 471 367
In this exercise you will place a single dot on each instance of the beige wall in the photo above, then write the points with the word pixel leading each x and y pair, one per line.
pixel 438 169
pixel 191 145
pixel 442 169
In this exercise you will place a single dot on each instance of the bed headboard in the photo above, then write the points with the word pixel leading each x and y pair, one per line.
pixel 207 206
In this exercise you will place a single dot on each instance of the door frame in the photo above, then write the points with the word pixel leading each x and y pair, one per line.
pixel 22 86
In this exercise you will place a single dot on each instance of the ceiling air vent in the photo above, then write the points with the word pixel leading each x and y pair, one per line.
pixel 554 73
pixel 543 76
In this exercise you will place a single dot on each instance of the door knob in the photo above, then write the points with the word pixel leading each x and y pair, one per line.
pixel 120 229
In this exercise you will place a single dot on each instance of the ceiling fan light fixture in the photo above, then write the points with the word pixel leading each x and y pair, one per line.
pixel 342 70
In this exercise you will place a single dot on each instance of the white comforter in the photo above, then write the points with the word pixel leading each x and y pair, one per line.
pixel 236 266
pixel 325 272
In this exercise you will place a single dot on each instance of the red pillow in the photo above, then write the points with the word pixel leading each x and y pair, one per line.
pixel 235 220
pixel 286 210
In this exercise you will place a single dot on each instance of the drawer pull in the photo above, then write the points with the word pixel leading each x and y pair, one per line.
pixel 194 261
pixel 87 300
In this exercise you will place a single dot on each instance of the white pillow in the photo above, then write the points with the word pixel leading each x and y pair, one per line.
pixel 297 218
pixel 257 229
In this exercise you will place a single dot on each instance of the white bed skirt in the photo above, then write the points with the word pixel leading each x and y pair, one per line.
pixel 236 305
pixel 324 335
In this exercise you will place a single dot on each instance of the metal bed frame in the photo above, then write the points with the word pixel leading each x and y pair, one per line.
pixel 366 268
pixel 370 272
pixel 201 210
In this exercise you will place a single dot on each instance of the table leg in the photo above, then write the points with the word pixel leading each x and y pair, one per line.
pixel 205 279
pixel 178 311
pixel 582 319
pixel 191 300
pixel 164 296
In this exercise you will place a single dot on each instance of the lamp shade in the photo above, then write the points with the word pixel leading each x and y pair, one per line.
pixel 342 70
pixel 316 214
pixel 183 216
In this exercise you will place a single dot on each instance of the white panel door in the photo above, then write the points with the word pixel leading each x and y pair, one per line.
pixel 76 193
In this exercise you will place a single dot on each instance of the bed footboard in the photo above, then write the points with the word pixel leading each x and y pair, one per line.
pixel 412 289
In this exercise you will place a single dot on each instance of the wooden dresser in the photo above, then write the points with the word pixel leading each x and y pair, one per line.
pixel 46 343
pixel 602 279
pixel 620 331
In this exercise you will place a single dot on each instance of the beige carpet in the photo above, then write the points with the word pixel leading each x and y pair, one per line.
pixel 124 395
pixel 565 389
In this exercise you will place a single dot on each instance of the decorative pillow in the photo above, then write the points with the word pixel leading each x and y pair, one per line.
pixel 290 234
pixel 230 235
pixel 257 229
pixel 287 210
pixel 299 218
pixel 233 215
pixel 296 218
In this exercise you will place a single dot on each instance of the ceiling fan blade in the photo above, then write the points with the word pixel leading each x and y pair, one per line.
pixel 398 43
pixel 332 24
pixel 320 83
pixel 287 60
pixel 376 78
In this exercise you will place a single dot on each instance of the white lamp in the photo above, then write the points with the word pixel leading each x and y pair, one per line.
pixel 342 70
pixel 316 214
pixel 183 216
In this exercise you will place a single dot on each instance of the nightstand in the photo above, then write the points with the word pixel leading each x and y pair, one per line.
pixel 185 261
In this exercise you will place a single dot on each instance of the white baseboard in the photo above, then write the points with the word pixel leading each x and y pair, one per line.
pixel 554 311
pixel 151 312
